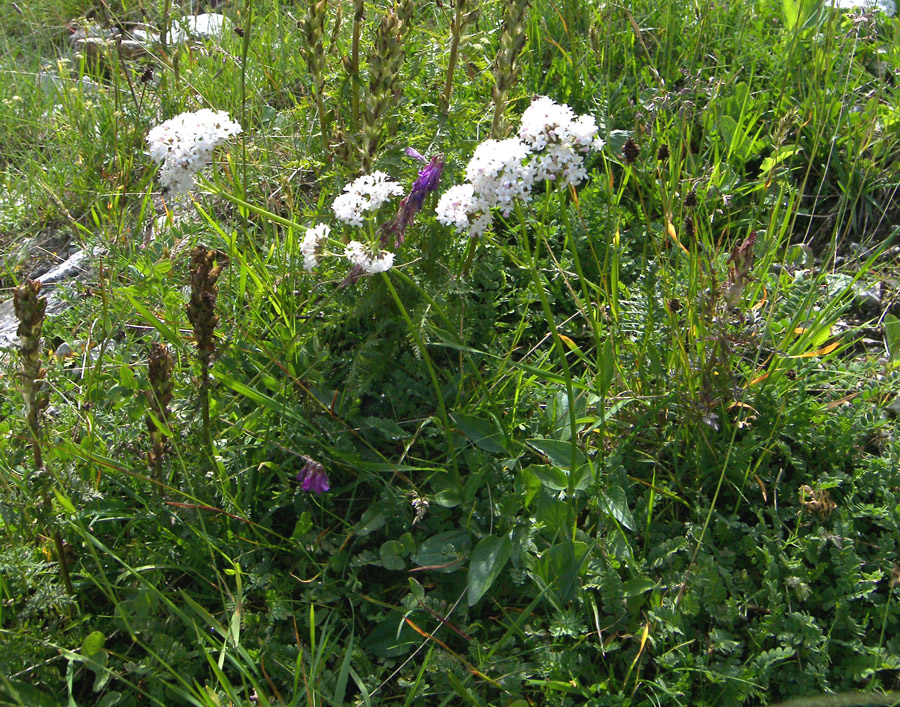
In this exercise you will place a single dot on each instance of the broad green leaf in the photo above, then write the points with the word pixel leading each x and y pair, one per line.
pixel 93 643
pixel 617 506
pixel 559 453
pixel 443 552
pixel 488 560
pixel 372 519
pixel 892 336
pixel 482 433
pixel 634 587
pixel 16 692
pixel 392 637
pixel 552 477
pixel 391 555
pixel 561 566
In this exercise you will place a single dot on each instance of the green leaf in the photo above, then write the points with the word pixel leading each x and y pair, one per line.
pixel 617 506
pixel 391 556
pixel 634 587
pixel 372 519
pixel 93 643
pixel 607 366
pixel 64 502
pixel 529 484
pixel 443 551
pixel 392 637
pixel 551 477
pixel 892 336
pixel 483 433
pixel 302 526
pixel 168 333
pixel 21 694
pixel 490 557
pixel 559 453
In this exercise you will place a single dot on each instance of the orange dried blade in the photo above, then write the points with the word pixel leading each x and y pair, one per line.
pixel 644 637
pixel 821 352
pixel 800 330
pixel 568 342
pixel 670 229
pixel 758 379
pixel 739 404
pixel 422 632
pixel 437 567
pixel 758 305
pixel 458 631
pixel 472 668
pixel 761 486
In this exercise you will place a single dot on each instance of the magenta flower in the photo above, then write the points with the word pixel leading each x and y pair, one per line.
pixel 427 182
pixel 312 477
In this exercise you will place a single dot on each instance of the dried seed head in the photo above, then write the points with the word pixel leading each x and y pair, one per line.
pixel 688 229
pixel 630 151
pixel 30 309
pixel 662 153
pixel 159 396
pixel 690 200
pixel 201 310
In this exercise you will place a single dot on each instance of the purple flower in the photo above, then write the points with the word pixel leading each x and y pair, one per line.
pixel 427 182
pixel 312 477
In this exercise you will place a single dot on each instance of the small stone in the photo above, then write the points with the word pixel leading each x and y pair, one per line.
pixel 63 351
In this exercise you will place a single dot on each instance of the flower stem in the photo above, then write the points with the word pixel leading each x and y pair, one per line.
pixel 442 408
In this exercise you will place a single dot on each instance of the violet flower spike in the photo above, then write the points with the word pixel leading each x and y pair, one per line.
pixel 415 154
pixel 312 477
pixel 427 182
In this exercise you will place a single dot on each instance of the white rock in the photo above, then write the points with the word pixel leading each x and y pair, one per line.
pixel 888 7
pixel 209 25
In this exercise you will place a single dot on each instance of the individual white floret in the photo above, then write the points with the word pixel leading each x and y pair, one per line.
pixel 312 243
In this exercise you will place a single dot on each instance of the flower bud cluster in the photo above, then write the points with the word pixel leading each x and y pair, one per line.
pixel 184 145
pixel 551 146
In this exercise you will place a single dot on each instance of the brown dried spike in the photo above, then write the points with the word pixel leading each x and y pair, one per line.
pixel 205 271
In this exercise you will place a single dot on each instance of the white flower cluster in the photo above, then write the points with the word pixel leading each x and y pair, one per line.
pixel 184 145
pixel 366 193
pixel 312 243
pixel 362 257
pixel 551 146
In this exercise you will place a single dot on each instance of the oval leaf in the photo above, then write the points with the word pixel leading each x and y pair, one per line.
pixel 490 556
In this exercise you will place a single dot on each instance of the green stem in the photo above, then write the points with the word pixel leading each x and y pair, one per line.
pixel 442 408
pixel 456 31
pixel 558 343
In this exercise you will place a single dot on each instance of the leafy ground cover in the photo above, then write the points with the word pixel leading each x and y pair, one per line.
pixel 300 438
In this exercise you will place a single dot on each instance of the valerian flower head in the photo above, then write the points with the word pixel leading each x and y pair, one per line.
pixel 312 477
pixel 363 258
pixel 312 244
pixel 184 145
pixel 551 145
pixel 364 194
pixel 499 174
pixel 459 207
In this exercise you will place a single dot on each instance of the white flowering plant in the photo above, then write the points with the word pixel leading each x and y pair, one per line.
pixel 550 147
pixel 184 145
